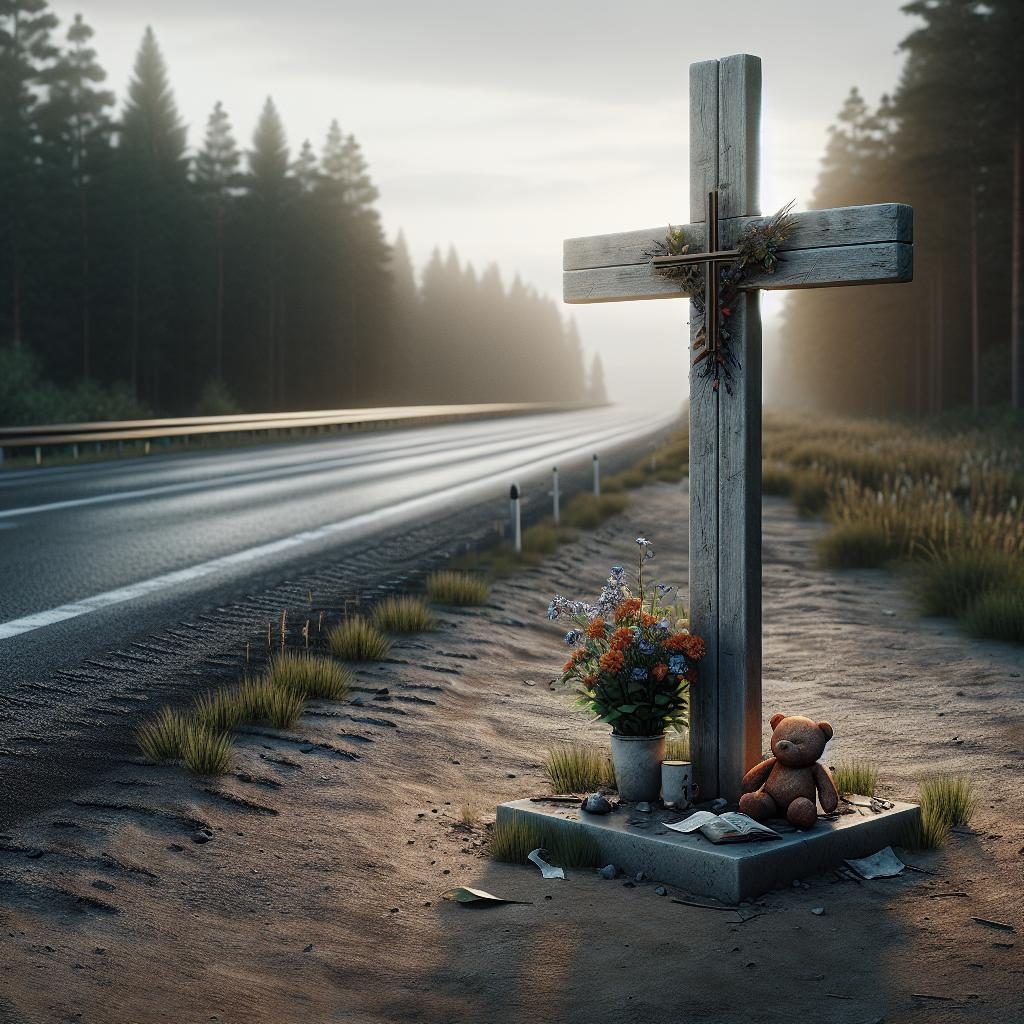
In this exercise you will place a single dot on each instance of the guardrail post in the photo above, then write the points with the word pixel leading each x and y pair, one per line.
pixel 555 495
pixel 517 529
pixel 39 456
pixel 145 448
pixel 74 452
pixel 597 476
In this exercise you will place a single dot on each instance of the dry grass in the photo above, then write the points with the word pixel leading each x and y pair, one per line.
pixel 677 747
pixel 262 701
pixel 578 768
pixel 946 801
pixel 162 738
pixel 588 511
pixel 219 711
pixel 856 776
pixel 206 752
pixel 997 615
pixel 404 614
pixel 512 840
pixel 470 812
pixel 309 675
pixel 356 639
pixel 459 589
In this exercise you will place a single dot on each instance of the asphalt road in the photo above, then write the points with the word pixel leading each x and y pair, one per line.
pixel 90 555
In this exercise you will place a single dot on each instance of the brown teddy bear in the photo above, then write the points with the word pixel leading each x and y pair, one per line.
pixel 785 785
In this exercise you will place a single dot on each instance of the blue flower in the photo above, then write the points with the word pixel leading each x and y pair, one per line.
pixel 553 609
pixel 677 664
pixel 639 674
pixel 645 647
pixel 664 625
pixel 664 588
pixel 573 637
pixel 617 570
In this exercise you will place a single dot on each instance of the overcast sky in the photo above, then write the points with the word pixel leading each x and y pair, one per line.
pixel 502 128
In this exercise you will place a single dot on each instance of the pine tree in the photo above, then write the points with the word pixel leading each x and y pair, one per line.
pixel 26 54
pixel 596 392
pixel 152 148
pixel 306 168
pixel 269 187
pixel 216 176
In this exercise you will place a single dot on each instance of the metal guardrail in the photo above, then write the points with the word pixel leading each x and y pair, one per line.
pixel 71 435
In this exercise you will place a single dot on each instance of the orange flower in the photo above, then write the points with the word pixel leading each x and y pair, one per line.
pixel 694 647
pixel 569 664
pixel 677 642
pixel 647 619
pixel 659 671
pixel 612 661
pixel 621 638
pixel 573 658
pixel 627 609
pixel 596 629
pixel 590 680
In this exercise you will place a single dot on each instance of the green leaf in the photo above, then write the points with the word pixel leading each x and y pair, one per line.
pixel 627 709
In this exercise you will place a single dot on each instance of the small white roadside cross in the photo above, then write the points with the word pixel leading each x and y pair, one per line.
pixel 851 245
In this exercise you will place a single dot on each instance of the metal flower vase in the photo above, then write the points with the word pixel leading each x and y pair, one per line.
pixel 637 761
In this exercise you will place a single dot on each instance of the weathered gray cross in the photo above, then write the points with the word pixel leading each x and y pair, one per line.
pixel 851 245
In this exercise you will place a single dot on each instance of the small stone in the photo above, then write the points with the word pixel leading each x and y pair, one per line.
pixel 394 910
pixel 719 805
pixel 596 804
pixel 629 885
pixel 818 911
pixel 661 891
pixel 608 871
pixel 510 775
pixel 100 950
pixel 796 883
pixel 103 886
pixel 49 949
pixel 529 682
pixel 643 807
pixel 203 835
pixel 176 848
pixel 309 948
pixel 640 877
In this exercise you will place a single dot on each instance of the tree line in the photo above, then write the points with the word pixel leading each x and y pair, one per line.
pixel 230 277
pixel 948 141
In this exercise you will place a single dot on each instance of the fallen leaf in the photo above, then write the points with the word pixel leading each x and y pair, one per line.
pixel 475 897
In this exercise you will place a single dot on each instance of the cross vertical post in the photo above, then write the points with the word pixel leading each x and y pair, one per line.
pixel 725 448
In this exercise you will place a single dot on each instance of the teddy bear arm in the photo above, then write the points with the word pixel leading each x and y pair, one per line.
pixel 757 776
pixel 827 792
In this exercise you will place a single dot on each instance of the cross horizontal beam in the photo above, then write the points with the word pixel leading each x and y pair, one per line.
pixel 848 245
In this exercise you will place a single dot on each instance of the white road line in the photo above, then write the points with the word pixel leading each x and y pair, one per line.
pixel 353 525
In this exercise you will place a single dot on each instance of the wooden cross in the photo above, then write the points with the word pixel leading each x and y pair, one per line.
pixel 846 246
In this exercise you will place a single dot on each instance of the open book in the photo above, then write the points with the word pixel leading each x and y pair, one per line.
pixel 731 827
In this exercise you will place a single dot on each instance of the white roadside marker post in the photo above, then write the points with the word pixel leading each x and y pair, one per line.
pixel 597 477
pixel 554 495
pixel 517 529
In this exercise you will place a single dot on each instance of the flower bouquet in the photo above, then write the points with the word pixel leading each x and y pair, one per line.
pixel 633 664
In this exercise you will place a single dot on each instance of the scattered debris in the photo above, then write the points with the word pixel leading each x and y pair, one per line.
pixel 608 871
pixel 942 895
pixel 884 864
pixel 547 870
pixel 817 911
pixel 994 924
pixel 202 835
pixel 596 804
pixel 308 949
pixel 703 906
pixel 475 897
pixel 640 877
pixel 661 891
pixel 928 995
pixel 720 804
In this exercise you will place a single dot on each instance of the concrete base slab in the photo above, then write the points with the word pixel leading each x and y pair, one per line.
pixel 635 841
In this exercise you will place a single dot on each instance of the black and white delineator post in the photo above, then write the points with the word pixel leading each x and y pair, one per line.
pixel 597 476
pixel 851 245
pixel 556 511
pixel 517 528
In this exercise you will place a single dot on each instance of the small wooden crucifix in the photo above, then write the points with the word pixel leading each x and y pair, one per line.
pixel 846 246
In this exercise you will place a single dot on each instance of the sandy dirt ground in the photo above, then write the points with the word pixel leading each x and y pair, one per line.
pixel 317 899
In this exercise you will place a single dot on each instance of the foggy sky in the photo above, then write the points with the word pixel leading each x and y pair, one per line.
pixel 502 128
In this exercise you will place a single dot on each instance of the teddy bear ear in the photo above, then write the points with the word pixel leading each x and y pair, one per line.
pixel 776 718
pixel 826 729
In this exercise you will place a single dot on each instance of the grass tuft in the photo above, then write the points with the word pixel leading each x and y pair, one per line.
pixel 514 838
pixel 356 639
pixel 588 511
pixel 219 711
pixel 677 747
pixel 856 776
pixel 997 615
pixel 946 800
pixel 205 752
pixel 856 545
pixel 264 702
pixel 162 738
pixel 457 588
pixel 403 614
pixel 951 583
pixel 577 768
pixel 309 676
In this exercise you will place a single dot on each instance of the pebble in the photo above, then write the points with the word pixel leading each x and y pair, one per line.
pixel 818 911
pixel 661 891
pixel 309 948
pixel 176 848
pixel 100 950
pixel 640 877
pixel 629 885
pixel 203 835
pixel 608 871
pixel 103 886
pixel 596 804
